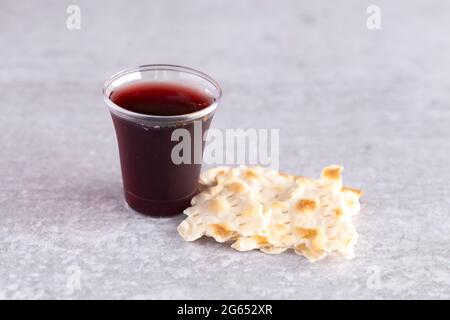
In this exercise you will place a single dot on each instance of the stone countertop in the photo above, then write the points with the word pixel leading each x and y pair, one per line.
pixel 375 101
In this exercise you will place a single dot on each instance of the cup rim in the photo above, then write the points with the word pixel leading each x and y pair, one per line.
pixel 120 111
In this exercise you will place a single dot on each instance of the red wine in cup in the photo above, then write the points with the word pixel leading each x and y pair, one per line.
pixel 153 184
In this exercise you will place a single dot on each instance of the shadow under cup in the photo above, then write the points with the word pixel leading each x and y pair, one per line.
pixel 153 183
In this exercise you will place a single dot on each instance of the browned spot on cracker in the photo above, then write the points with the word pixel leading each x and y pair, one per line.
pixel 308 252
pixel 216 206
pixel 236 187
pixel 305 205
pixel 319 240
pixel 306 233
pixel 250 211
pixel 220 230
pixel 332 173
pixel 262 241
pixel 338 212
pixel 277 205
pixel 358 192
pixel 250 174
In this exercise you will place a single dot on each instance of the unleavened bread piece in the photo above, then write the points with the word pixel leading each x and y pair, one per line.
pixel 259 208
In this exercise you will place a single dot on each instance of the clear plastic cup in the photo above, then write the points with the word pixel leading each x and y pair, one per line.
pixel 153 184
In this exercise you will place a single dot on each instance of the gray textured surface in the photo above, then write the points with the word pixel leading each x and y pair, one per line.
pixel 375 101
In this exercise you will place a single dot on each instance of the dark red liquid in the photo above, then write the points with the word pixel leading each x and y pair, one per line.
pixel 153 184
pixel 161 99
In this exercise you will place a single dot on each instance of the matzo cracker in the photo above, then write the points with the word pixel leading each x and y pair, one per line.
pixel 259 208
